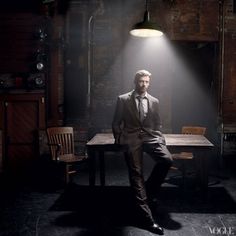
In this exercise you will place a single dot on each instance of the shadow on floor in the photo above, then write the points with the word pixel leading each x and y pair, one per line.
pixel 112 206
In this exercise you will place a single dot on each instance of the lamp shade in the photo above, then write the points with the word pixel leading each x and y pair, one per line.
pixel 146 28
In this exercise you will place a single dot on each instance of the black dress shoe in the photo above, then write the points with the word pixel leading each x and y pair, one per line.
pixel 155 228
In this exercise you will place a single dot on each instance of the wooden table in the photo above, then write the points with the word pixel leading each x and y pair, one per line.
pixel 198 144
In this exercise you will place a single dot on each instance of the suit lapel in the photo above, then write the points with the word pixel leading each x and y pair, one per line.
pixel 133 105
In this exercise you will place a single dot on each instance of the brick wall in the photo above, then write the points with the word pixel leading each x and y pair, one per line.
pixel 1 154
pixel 229 67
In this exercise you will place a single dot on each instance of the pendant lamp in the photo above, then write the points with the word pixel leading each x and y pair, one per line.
pixel 146 28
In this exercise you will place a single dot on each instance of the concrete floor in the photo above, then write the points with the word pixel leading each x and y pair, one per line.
pixel 39 206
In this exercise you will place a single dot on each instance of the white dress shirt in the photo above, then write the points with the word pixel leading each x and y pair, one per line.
pixel 144 102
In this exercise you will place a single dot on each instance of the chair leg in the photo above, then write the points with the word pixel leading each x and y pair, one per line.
pixel 67 177
pixel 183 176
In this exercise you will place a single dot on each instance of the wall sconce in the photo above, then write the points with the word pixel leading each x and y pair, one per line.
pixel 146 28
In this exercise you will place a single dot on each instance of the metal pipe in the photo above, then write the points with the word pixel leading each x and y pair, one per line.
pixel 89 61
pixel 222 53
pixel 99 11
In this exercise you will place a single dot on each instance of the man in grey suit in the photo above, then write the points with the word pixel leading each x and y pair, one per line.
pixel 137 123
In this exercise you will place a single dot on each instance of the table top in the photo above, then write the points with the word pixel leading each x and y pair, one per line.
pixel 175 140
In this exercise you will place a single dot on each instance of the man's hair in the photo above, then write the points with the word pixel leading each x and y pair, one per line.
pixel 141 73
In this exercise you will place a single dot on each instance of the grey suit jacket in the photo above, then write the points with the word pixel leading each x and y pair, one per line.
pixel 126 121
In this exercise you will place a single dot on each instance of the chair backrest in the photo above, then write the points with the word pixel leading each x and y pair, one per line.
pixel 63 136
pixel 194 130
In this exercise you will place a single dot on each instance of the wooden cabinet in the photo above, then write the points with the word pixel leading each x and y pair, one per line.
pixel 22 115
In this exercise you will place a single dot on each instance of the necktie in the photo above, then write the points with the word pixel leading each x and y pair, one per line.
pixel 140 108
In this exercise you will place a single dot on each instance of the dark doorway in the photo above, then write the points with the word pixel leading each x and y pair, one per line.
pixel 193 86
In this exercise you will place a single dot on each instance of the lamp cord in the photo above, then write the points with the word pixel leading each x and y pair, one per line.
pixel 146 5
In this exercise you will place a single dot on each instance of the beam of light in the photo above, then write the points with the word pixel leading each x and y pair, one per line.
pixel 184 92
pixel 184 95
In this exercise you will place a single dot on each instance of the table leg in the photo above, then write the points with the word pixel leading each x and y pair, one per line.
pixel 102 167
pixel 92 167
pixel 202 171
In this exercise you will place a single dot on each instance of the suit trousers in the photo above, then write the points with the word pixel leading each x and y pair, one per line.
pixel 138 144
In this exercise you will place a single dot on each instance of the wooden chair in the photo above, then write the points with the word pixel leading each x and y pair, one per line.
pixel 61 143
pixel 186 156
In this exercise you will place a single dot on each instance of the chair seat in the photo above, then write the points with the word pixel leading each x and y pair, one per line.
pixel 71 158
pixel 182 156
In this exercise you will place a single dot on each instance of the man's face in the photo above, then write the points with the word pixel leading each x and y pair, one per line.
pixel 142 84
